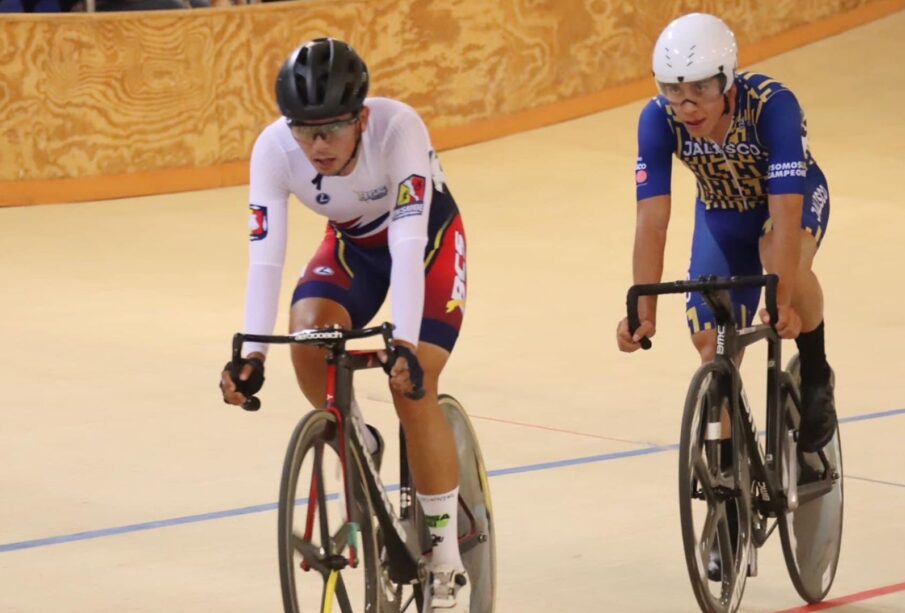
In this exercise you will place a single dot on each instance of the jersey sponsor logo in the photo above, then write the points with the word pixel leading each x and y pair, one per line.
pixel 804 133
pixel 322 198
pixel 437 174
pixel 324 271
pixel 787 169
pixel 257 222
pixel 411 191
pixel 818 200
pixel 410 198
pixel 692 148
pixel 372 194
pixel 457 297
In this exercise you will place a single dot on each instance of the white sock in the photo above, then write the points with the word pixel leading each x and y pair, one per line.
pixel 370 439
pixel 441 513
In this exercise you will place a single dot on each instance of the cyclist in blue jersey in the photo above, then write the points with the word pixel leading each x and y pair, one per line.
pixel 762 201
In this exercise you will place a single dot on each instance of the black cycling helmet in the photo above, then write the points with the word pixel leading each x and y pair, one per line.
pixel 321 79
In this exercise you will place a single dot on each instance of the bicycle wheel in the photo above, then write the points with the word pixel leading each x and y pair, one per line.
pixel 706 491
pixel 812 534
pixel 315 536
pixel 479 548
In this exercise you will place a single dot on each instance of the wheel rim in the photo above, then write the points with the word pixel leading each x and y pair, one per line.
pixel 310 493
pixel 704 508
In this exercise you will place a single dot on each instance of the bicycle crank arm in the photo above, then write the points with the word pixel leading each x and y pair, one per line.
pixel 812 491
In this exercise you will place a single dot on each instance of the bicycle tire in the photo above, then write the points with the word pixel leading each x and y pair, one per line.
pixel 317 433
pixel 696 481
pixel 812 534
pixel 474 490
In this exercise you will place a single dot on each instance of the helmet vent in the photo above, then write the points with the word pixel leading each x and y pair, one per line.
pixel 302 88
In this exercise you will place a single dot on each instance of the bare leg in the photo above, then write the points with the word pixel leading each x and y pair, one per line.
pixel 807 299
pixel 431 446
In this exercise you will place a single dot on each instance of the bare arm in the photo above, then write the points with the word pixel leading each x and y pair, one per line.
pixel 651 223
pixel 785 211
pixel 782 257
pixel 647 267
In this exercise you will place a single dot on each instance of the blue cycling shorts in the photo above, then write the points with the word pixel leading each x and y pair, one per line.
pixel 725 243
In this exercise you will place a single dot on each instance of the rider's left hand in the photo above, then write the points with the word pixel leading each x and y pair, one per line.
pixel 400 373
pixel 789 324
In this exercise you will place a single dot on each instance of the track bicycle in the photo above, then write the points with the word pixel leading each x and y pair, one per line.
pixel 341 542
pixel 730 506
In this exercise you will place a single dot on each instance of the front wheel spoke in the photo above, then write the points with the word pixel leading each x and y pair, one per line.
pixel 311 553
pixel 702 474
pixel 342 538
pixel 342 595
pixel 321 496
pixel 711 527
pixel 728 565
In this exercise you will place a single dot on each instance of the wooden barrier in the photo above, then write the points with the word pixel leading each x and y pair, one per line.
pixel 111 105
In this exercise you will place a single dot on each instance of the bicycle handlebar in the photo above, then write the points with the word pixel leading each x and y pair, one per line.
pixel 331 338
pixel 703 284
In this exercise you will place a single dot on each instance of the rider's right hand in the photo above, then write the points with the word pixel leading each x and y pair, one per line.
pixel 251 378
pixel 627 341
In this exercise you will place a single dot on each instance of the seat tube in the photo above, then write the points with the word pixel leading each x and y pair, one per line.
pixel 342 384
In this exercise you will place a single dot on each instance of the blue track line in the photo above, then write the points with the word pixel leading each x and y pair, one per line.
pixel 272 506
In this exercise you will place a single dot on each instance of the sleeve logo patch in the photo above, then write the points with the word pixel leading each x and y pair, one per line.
pixel 411 191
pixel 257 222
pixel 640 172
pixel 410 198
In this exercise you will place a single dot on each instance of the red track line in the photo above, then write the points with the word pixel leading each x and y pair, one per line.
pixel 538 427
pixel 844 600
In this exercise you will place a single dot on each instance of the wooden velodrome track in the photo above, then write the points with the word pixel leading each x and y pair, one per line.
pixel 127 485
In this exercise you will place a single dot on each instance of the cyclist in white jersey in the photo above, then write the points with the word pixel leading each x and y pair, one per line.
pixel 367 165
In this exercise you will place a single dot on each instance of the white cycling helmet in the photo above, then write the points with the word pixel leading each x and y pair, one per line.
pixel 694 47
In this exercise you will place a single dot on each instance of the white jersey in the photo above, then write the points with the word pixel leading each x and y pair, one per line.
pixel 388 192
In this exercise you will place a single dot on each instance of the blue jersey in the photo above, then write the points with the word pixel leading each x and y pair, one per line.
pixel 765 150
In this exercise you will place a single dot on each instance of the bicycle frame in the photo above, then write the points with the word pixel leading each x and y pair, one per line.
pixel 731 340
pixel 400 535
pixel 782 478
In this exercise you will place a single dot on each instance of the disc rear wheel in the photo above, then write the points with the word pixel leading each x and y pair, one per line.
pixel 477 542
pixel 812 533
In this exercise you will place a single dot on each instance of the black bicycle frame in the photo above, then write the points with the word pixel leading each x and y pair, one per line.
pixel 731 340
